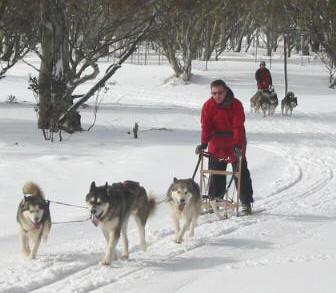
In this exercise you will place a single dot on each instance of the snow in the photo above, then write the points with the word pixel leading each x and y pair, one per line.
pixel 290 247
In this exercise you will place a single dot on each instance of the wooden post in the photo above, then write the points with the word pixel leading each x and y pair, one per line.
pixel 135 130
pixel 146 48
pixel 238 184
pixel 256 46
pixel 201 177
pixel 285 62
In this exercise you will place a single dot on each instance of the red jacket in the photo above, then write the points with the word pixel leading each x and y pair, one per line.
pixel 263 78
pixel 223 127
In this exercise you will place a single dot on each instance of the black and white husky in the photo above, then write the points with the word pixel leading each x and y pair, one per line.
pixel 288 103
pixel 33 217
pixel 111 206
pixel 184 200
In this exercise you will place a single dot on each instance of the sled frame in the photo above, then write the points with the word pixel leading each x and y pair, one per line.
pixel 226 204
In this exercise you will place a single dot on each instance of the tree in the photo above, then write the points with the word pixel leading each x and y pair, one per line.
pixel 73 36
pixel 180 29
pixel 319 19
pixel 17 32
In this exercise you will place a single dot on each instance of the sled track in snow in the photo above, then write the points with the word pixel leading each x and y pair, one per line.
pixel 312 169
pixel 308 180
pixel 119 270
pixel 80 277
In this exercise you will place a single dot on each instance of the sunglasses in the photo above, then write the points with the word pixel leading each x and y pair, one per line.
pixel 217 93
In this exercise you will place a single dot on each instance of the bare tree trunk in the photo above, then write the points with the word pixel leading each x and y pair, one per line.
pixel 171 57
pixel 54 96
pixel 269 43
pixel 304 45
pixel 186 74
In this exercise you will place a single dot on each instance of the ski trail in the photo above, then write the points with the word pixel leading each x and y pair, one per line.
pixel 163 247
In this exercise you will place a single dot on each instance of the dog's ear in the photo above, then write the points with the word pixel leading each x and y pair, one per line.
pixel 175 179
pixel 93 186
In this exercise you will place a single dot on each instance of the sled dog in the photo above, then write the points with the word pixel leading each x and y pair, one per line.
pixel 273 102
pixel 111 206
pixel 255 101
pixel 184 201
pixel 265 104
pixel 288 103
pixel 33 217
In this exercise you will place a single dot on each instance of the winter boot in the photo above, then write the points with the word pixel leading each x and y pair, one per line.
pixel 246 209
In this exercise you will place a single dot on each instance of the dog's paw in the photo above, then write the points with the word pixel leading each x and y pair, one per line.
pixel 26 252
pixel 114 257
pixel 32 256
pixel 178 240
pixel 143 247
pixel 124 257
pixel 105 261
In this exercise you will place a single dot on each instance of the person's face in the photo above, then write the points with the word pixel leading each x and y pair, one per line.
pixel 262 66
pixel 218 93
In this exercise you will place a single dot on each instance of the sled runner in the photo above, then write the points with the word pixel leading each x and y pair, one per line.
pixel 229 204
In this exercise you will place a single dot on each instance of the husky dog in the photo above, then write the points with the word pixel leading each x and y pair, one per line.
pixel 288 103
pixel 255 101
pixel 273 102
pixel 111 206
pixel 265 104
pixel 33 217
pixel 184 201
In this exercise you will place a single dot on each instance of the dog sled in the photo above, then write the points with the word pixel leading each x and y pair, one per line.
pixel 229 204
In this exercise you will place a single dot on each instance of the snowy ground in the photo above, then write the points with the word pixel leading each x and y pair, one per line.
pixel 288 248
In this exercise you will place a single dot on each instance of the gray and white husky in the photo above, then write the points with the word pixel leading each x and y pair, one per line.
pixel 184 201
pixel 33 217
pixel 111 206
pixel 288 103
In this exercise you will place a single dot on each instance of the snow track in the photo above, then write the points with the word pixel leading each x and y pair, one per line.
pixel 301 186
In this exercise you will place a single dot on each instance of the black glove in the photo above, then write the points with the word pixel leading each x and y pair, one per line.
pixel 200 148
pixel 237 152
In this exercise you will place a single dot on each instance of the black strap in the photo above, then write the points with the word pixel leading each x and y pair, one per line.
pixel 197 165
pixel 223 133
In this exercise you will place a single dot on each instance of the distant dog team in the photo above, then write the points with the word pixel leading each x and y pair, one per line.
pixel 264 100
pixel 267 101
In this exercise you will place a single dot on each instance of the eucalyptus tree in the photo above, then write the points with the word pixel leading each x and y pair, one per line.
pixel 74 35
pixel 18 32
pixel 180 30
pixel 242 20
pixel 319 19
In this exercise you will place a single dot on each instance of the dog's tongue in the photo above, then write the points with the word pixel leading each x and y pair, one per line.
pixel 37 225
pixel 95 221
pixel 181 207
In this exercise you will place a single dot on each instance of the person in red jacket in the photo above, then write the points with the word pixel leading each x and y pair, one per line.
pixel 223 133
pixel 263 77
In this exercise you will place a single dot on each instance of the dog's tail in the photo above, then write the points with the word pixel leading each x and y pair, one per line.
pixel 33 189
pixel 151 204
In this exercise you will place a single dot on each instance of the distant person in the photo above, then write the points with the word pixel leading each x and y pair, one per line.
pixel 263 77
pixel 223 131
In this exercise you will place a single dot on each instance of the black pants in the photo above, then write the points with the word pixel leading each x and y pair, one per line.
pixel 218 182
